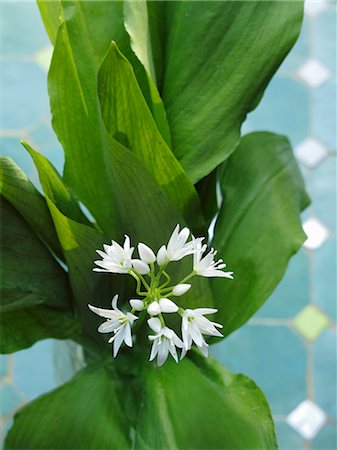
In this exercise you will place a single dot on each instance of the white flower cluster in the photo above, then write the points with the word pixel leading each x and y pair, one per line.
pixel 149 271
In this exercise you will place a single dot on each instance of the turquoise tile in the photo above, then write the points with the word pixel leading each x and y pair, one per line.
pixel 18 35
pixel 322 187
pixel 292 294
pixel 324 38
pixel 25 97
pixel 284 109
pixel 44 140
pixel 39 359
pixel 299 53
pixel 274 357
pixel 3 365
pixel 324 372
pixel 324 114
pixel 288 438
pixel 326 439
pixel 10 399
pixel 324 277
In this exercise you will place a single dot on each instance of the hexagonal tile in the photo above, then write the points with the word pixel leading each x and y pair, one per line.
pixel 310 152
pixel 310 322
pixel 316 233
pixel 313 73
pixel 313 8
pixel 307 419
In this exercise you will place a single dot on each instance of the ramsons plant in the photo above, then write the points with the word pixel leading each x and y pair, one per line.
pixel 147 100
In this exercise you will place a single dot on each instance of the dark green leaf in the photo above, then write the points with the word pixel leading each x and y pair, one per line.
pixel 85 413
pixel 184 407
pixel 129 121
pixel 50 12
pixel 23 327
pixel 218 58
pixel 35 295
pixel 259 226
pixel 26 199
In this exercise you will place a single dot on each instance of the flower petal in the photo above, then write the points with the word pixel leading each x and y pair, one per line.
pixel 146 254
pixel 154 309
pixel 154 324
pixel 167 306
pixel 140 266
pixel 180 289
pixel 136 304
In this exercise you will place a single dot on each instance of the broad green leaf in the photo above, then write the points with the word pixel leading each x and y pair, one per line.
pixel 50 12
pixel 184 407
pixel 85 413
pixel 27 200
pixel 129 121
pixel 23 327
pixel 259 226
pixel 106 176
pixel 35 296
pixel 218 58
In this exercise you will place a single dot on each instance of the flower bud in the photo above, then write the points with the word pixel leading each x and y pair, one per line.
pixel 154 324
pixel 167 305
pixel 140 266
pixel 146 254
pixel 136 304
pixel 180 289
pixel 154 309
pixel 162 257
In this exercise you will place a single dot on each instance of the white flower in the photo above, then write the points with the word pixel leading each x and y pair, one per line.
pixel 146 253
pixel 195 325
pixel 205 266
pixel 116 259
pixel 177 247
pixel 165 305
pixel 165 341
pixel 180 289
pixel 140 266
pixel 117 323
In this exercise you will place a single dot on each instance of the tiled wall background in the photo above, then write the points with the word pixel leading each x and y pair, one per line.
pixel 289 347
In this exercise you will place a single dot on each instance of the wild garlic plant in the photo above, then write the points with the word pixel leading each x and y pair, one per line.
pixel 154 288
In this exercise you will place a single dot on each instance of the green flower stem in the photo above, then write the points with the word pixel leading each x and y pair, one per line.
pixel 162 321
pixel 144 282
pixel 139 285
pixel 192 274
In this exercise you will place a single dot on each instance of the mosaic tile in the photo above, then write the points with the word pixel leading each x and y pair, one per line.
pixel 322 187
pixel 292 294
pixel 313 8
pixel 16 36
pixel 317 233
pixel 310 152
pixel 307 419
pixel 273 356
pixel 313 73
pixel 324 114
pixel 324 278
pixel 25 95
pixel 10 399
pixel 310 322
pixel 325 372
pixel 326 440
pixel 324 38
pixel 39 359
pixel 284 109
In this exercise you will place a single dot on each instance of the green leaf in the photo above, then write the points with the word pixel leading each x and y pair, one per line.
pixel 259 226
pixel 129 121
pixel 26 199
pixel 35 295
pixel 23 327
pixel 106 176
pixel 218 58
pixel 85 413
pixel 184 407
